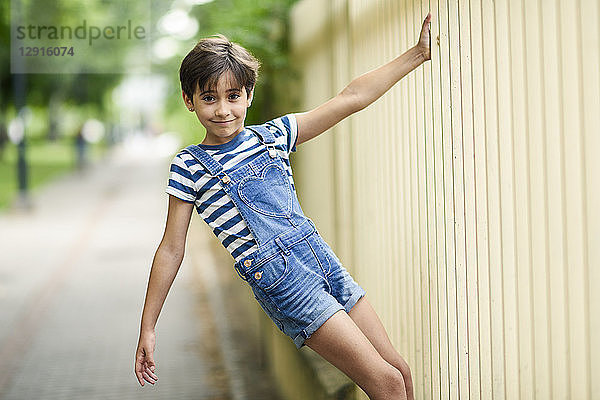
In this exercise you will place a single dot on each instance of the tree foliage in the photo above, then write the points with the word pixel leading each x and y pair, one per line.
pixel 260 26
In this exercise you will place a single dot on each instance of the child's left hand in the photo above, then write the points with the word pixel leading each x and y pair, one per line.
pixel 424 43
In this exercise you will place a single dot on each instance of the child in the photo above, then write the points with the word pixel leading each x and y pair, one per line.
pixel 240 181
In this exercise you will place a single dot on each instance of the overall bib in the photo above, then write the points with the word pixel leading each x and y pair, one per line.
pixel 294 274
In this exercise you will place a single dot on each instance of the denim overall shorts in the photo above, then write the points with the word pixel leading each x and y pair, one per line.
pixel 294 274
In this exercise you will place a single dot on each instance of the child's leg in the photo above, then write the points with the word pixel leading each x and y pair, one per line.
pixel 365 317
pixel 341 342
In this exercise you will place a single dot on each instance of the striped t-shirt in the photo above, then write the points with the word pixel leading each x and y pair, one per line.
pixel 190 182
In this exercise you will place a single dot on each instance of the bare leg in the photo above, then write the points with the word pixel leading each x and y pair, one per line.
pixel 369 323
pixel 343 344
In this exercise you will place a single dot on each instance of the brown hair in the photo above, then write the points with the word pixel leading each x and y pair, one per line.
pixel 212 57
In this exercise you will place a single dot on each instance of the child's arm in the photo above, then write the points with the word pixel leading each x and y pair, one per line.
pixel 167 259
pixel 364 90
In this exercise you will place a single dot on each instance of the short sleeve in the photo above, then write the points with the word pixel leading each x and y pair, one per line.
pixel 181 183
pixel 287 132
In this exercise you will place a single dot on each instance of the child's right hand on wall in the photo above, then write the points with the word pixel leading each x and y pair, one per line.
pixel 424 43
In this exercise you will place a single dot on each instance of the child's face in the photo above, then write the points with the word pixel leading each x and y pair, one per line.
pixel 221 112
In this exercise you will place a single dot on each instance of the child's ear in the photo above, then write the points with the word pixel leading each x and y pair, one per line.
pixel 250 97
pixel 188 102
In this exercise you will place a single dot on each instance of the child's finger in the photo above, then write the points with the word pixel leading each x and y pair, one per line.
pixel 150 372
pixel 138 373
pixel 425 23
pixel 148 378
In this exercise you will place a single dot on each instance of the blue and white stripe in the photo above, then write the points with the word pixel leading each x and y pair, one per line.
pixel 190 182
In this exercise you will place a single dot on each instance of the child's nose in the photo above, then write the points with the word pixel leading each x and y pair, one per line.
pixel 222 109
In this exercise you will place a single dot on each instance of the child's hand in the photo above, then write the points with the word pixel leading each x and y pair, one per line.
pixel 424 43
pixel 144 360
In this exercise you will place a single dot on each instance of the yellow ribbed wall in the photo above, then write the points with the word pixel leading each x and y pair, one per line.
pixel 466 200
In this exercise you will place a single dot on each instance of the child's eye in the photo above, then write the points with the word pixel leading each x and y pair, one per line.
pixel 208 98
pixel 234 96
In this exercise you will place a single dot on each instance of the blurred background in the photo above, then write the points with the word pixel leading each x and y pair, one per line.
pixel 76 108
pixel 466 201
pixel 85 143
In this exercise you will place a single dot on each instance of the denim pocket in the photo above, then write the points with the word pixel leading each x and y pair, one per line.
pixel 270 274
pixel 268 192
pixel 328 253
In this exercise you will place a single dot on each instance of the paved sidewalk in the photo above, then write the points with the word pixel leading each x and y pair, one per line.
pixel 73 274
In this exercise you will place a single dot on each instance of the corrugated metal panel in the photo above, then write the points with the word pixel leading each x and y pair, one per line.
pixel 466 200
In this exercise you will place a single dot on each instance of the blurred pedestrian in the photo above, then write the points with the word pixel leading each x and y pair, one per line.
pixel 80 148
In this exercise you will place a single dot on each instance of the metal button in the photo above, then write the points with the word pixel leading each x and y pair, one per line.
pixel 272 153
pixel 248 263
pixel 273 129
pixel 257 275
pixel 226 179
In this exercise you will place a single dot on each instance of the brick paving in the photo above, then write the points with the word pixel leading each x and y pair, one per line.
pixel 73 274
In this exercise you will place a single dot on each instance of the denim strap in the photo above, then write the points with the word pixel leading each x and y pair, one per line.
pixel 264 134
pixel 213 166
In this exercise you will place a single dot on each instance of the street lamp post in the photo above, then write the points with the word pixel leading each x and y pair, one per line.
pixel 20 100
